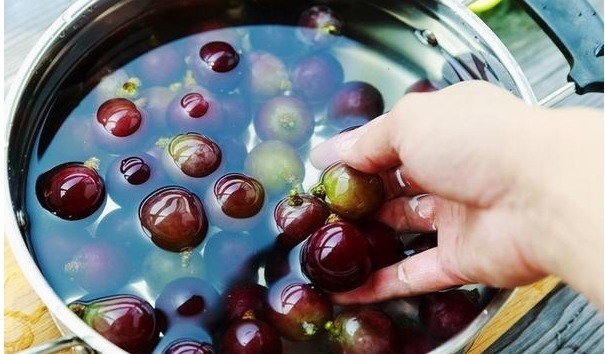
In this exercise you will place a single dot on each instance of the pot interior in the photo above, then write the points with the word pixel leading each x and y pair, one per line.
pixel 407 40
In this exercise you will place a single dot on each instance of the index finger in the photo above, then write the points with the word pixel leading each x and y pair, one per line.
pixel 373 151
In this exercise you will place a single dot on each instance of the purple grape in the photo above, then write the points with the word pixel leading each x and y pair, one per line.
pixel 174 218
pixel 363 330
pixel 125 320
pixel 297 310
pixel 285 118
pixel 245 299
pixel 355 103
pixel 189 300
pixel 317 76
pixel 250 336
pixel 236 114
pixel 297 216
pixel 189 346
pixel 444 314
pixel 385 247
pixel 161 66
pixel 336 257
pixel 414 341
pixel 320 25
pixel 217 66
pixel 71 191
pixel 195 110
pixel 132 177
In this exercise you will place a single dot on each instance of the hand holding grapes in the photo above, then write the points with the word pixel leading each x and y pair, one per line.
pixel 514 191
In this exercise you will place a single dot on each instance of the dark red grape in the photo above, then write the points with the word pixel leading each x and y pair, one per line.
pixel 194 110
pixel 350 193
pixel 250 336
pixel 420 243
pixel 119 116
pixel 285 118
pixel 71 191
pixel 363 330
pixel 355 103
pixel 245 299
pixel 444 314
pixel 230 258
pixel 195 155
pixel 336 257
pixel 276 165
pixel 268 75
pixel 297 310
pixel 297 216
pixel 239 196
pixel 424 85
pixel 189 300
pixel 100 267
pixel 129 178
pixel 161 66
pixel 125 320
pixel 217 66
pixel 317 76
pixel 320 25
pixel 219 56
pixel 385 247
pixel 189 346
pixel 414 341
pixel 174 218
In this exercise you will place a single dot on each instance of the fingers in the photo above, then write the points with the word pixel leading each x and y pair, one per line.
pixel 368 148
pixel 416 214
pixel 419 274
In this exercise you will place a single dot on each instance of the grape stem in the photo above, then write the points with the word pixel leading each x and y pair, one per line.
pixel 78 308
pixel 294 198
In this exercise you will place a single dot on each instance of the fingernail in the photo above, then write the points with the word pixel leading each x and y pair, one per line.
pixel 332 150
pixel 424 206
pixel 402 275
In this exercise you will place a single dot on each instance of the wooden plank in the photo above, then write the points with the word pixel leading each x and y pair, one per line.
pixel 522 300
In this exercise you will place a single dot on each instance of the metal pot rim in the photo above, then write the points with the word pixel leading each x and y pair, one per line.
pixel 68 320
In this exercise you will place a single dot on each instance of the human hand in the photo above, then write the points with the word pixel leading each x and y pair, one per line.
pixel 515 191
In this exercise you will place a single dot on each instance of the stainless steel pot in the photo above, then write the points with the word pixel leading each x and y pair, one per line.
pixel 446 35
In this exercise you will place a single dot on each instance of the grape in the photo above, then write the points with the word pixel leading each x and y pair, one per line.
pixel 298 310
pixel 161 66
pixel 189 300
pixel 336 257
pixel 119 116
pixel 317 76
pixel 268 75
pixel 250 336
pixel 320 25
pixel 194 154
pixel 348 192
pixel 354 103
pixel 71 191
pixel 420 244
pixel 297 216
pixel 385 247
pixel 245 299
pixel 363 330
pixel 218 66
pixel 174 218
pixel 285 118
pixel 424 85
pixel 195 109
pixel 100 267
pixel 446 313
pixel 276 165
pixel 125 320
pixel 129 178
pixel 160 267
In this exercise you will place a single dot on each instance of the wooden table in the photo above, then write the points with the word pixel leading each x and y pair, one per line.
pixel 545 317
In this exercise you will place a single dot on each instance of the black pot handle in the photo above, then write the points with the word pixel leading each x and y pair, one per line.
pixel 576 28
